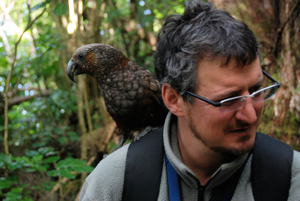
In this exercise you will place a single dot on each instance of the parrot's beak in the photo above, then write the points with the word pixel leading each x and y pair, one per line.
pixel 72 70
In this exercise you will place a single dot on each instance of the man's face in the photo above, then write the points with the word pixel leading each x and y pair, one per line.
pixel 231 132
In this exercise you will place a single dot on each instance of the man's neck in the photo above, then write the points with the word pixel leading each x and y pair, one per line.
pixel 203 161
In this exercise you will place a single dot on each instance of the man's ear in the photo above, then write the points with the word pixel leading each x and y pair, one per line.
pixel 172 100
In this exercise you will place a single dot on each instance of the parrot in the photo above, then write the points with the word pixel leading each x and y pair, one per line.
pixel 131 93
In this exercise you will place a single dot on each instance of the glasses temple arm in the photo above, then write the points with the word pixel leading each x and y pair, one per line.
pixel 204 99
pixel 272 79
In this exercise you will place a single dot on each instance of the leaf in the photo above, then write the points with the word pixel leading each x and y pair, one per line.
pixel 39 144
pixel 44 150
pixel 5 158
pixel 32 153
pixel 41 5
pixel 37 158
pixel 73 136
pixel 52 159
pixel 83 168
pixel 51 153
pixel 14 194
pixel 53 173
pixel 62 140
pixel 69 162
pixel 48 185
pixel 4 184
pixel 61 9
pixel 36 187
pixel 7 182
pixel 43 168
pixel 66 173
pixel 27 199
pixel 30 170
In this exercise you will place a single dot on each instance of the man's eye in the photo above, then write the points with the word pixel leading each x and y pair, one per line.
pixel 218 101
pixel 256 88
pixel 229 103
pixel 225 98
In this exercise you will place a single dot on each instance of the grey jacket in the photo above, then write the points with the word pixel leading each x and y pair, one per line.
pixel 106 181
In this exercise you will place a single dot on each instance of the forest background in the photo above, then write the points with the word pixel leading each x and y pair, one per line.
pixel 54 131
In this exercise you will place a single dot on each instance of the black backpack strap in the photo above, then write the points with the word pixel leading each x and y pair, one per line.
pixel 144 167
pixel 271 169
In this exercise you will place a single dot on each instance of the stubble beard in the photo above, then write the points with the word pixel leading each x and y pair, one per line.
pixel 226 152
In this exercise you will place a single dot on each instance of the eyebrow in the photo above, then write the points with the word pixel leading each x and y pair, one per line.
pixel 225 95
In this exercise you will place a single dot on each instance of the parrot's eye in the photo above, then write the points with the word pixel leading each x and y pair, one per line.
pixel 80 56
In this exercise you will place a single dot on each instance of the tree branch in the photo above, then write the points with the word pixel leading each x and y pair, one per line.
pixel 5 140
pixel 280 29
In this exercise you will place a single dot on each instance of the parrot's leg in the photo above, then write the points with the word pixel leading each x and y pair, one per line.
pixel 125 134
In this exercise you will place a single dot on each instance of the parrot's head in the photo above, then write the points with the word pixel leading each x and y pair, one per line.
pixel 94 59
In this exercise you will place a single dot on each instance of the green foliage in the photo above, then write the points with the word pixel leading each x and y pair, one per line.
pixel 7 182
pixel 38 128
pixel 290 124
pixel 66 168
pixel 42 160
pixel 17 193
pixel 297 88
pixel 61 9
pixel 41 5
pixel 30 123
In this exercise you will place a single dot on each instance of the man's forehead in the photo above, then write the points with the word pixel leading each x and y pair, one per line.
pixel 217 64
pixel 224 62
pixel 213 72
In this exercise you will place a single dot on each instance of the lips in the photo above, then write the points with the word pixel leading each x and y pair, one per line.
pixel 240 130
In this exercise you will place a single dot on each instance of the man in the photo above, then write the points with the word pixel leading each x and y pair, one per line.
pixel 213 84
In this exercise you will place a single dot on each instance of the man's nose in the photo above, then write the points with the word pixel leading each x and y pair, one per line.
pixel 247 113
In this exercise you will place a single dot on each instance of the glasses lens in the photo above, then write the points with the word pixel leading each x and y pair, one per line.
pixel 232 104
pixel 265 94
pixel 270 92
pixel 236 103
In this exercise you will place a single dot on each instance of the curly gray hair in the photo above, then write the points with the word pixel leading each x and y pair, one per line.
pixel 201 31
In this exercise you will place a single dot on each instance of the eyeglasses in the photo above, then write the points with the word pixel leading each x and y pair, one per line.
pixel 235 103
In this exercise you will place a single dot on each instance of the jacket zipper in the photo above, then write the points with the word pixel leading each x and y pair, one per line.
pixel 201 190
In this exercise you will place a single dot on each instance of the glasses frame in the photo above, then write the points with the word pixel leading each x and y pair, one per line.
pixel 276 84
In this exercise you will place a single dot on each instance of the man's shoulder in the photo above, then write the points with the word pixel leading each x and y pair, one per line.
pixel 296 161
pixel 294 193
pixel 106 180
pixel 114 162
pixel 296 155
